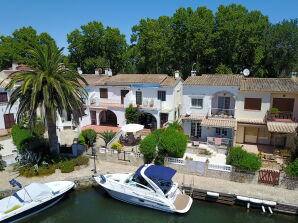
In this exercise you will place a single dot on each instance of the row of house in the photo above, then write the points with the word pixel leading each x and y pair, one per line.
pixel 227 109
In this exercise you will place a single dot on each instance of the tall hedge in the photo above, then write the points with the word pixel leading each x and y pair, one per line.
pixel 19 135
pixel 243 160
pixel 148 147
pixel 173 142
pixel 131 114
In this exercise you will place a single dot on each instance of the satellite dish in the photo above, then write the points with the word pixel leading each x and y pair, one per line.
pixel 246 72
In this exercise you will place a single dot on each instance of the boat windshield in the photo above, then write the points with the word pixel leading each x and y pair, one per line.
pixel 165 186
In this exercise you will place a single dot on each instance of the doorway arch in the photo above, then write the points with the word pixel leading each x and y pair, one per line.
pixel 148 120
pixel 107 117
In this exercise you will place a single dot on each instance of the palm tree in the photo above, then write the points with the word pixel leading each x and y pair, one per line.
pixel 50 87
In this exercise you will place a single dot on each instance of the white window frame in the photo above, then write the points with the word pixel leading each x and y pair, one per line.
pixel 197 98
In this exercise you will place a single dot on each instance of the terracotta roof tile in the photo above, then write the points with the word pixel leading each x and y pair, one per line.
pixel 251 121
pixel 219 123
pixel 93 79
pixel 282 127
pixel 269 85
pixel 214 80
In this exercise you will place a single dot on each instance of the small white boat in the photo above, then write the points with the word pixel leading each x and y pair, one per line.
pixel 32 199
pixel 150 186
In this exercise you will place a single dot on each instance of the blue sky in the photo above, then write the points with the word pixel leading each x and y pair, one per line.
pixel 59 17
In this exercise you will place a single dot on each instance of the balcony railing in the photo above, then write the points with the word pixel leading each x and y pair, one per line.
pixel 147 103
pixel 222 113
pixel 280 116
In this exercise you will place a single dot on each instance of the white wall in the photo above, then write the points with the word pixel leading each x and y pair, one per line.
pixel 206 93
pixel 5 110
pixel 242 113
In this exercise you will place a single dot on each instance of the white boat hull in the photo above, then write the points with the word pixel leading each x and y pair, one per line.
pixel 138 201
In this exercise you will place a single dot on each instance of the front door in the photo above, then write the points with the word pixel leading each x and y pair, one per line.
pixel 250 135
pixel 163 118
pixel 139 97
pixel 8 120
pixel 123 94
pixel 93 117
pixel 195 129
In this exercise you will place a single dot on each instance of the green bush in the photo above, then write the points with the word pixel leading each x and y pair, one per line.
pixel 292 168
pixel 39 128
pixel 67 166
pixel 19 135
pixel 34 144
pixel 89 136
pixel 243 160
pixel 81 160
pixel 273 111
pixel 27 171
pixel 160 159
pixel 173 142
pixel 148 147
pixel 117 146
pixel 176 125
pixel 131 114
pixel 46 170
pixel 107 136
pixel 1 164
pixel 81 139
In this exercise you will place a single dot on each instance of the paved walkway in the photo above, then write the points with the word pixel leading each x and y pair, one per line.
pixel 250 190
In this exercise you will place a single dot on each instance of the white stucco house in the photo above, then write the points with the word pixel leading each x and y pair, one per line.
pixel 158 97
pixel 237 109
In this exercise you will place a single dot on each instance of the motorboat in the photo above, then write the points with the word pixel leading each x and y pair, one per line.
pixel 150 186
pixel 32 199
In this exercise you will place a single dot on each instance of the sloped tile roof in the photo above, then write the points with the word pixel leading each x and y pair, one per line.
pixel 282 127
pixel 251 121
pixel 269 85
pixel 214 80
pixel 193 117
pixel 219 123
pixel 162 79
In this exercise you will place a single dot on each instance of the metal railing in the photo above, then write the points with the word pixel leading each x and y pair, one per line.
pixel 222 112
pixel 279 115
pixel 177 161
pixel 220 167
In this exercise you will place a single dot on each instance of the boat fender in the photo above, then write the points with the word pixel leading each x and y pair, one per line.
pixel 270 210
pixel 103 179
pixel 263 209
pixel 256 201
pixel 212 194
pixel 248 205
pixel 241 198
pixel 269 203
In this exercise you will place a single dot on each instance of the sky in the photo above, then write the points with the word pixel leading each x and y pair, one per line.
pixel 60 17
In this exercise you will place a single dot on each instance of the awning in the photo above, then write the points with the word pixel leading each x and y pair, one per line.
pixel 251 121
pixel 282 127
pixel 192 117
pixel 219 123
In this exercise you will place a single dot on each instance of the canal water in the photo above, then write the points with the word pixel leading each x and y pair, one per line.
pixel 94 205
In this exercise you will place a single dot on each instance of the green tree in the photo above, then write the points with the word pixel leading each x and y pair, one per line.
pixel 107 136
pixel 282 49
pixel 15 47
pixel 105 45
pixel 50 87
pixel 89 136
pixel 292 168
pixel 239 38
pixel 223 69
pixel 131 114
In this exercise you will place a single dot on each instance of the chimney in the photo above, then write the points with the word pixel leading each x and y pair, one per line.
pixel 14 65
pixel 293 74
pixel 79 70
pixel 193 73
pixel 176 75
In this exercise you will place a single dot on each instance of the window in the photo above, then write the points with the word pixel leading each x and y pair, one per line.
pixel 138 97
pixel 103 92
pixel 197 102
pixel 161 95
pixel 224 102
pixel 3 97
pixel 221 131
pixel 8 120
pixel 253 103
pixel 196 129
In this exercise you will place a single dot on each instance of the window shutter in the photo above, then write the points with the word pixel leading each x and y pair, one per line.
pixel 103 92
pixel 253 103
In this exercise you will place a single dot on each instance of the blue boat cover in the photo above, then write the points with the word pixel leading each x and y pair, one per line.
pixel 158 172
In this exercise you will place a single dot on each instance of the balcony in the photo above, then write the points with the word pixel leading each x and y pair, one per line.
pixel 280 116
pixel 105 104
pixel 222 113
pixel 147 104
